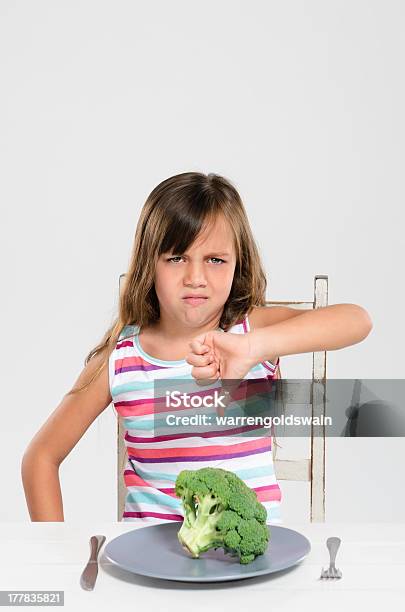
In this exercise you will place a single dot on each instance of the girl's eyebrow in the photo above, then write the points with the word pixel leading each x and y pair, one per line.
pixel 214 253
pixel 217 253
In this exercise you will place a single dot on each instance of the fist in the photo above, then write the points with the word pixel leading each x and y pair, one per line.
pixel 218 355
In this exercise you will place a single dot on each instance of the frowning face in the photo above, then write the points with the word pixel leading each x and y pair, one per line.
pixel 192 287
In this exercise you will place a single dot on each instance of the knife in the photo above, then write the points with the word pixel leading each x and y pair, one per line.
pixel 89 575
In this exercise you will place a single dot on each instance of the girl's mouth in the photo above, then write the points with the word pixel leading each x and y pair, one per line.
pixel 194 301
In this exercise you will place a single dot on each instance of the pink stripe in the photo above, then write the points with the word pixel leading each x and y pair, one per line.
pixel 170 492
pixel 265 493
pixel 270 495
pixel 133 363
pixel 245 328
pixel 124 343
pixel 193 458
pixel 267 487
pixel 135 407
pixel 128 361
pixel 133 480
pixel 200 451
pixel 269 368
pixel 213 434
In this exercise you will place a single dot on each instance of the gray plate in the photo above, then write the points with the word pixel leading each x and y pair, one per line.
pixel 156 552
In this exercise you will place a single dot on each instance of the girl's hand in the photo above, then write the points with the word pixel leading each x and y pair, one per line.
pixel 219 355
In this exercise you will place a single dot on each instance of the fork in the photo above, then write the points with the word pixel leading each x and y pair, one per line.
pixel 332 572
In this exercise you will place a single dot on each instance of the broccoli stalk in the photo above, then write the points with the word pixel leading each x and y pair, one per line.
pixel 220 511
pixel 198 531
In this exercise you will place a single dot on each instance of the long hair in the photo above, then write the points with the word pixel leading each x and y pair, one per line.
pixel 174 214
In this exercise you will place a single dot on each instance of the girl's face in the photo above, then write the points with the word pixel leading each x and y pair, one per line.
pixel 206 269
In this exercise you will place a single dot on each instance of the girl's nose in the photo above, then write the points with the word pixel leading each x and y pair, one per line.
pixel 194 275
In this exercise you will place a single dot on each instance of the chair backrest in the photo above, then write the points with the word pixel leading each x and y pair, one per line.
pixel 313 394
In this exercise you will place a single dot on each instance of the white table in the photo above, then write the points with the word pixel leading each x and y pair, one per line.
pixel 51 556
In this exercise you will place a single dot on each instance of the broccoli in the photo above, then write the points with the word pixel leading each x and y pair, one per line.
pixel 220 511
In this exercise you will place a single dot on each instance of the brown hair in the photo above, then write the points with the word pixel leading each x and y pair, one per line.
pixel 172 217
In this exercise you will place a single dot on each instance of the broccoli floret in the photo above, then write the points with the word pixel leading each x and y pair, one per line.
pixel 221 511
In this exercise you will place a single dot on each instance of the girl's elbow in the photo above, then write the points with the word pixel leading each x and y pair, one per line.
pixel 366 322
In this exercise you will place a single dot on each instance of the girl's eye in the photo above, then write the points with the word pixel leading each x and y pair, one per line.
pixel 179 257
pixel 217 258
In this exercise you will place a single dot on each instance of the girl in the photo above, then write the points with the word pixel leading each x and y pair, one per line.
pixel 194 274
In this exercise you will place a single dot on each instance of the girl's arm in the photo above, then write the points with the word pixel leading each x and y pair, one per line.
pixel 324 329
pixel 56 438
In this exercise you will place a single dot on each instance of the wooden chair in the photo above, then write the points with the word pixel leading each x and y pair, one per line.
pixel 313 394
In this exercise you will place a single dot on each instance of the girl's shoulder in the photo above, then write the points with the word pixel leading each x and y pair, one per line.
pixel 241 326
pixel 129 331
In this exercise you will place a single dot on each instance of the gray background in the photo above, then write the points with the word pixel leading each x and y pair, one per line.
pixel 300 104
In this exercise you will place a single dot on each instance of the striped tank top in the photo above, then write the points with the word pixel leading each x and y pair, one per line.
pixel 153 462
